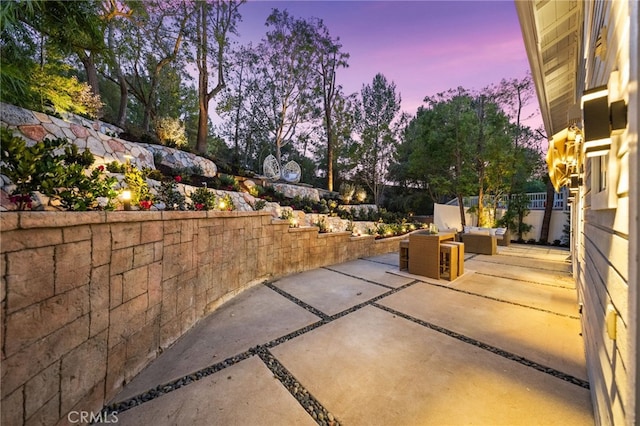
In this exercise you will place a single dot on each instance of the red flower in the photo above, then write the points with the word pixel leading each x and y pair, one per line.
pixel 199 206
pixel 146 204
pixel 101 168
pixel 178 178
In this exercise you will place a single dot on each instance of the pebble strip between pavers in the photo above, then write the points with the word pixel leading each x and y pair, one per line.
pixel 314 407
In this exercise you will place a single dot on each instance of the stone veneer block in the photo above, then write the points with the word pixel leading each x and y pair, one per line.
pixel 73 265
pixel 43 118
pixel 134 283
pixel 121 260
pixel 81 369
pixel 132 216
pixel 99 299
pixel 127 319
pixel 59 219
pixel 16 116
pixel 96 147
pixel 68 133
pixel 24 268
pixel 176 214
pixel 41 389
pixel 60 123
pixel 9 221
pixel 125 235
pixel 54 130
pixel 31 324
pixel 76 233
pixel 41 354
pixel 100 244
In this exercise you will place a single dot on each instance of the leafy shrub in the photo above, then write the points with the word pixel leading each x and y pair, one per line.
pixel 197 170
pixel 228 183
pixel 226 203
pixel 360 194
pixel 170 196
pixel 116 167
pixel 203 199
pixel 346 192
pixel 63 176
pixel 137 184
pixel 323 225
pixel 171 132
pixel 153 174
pixel 259 204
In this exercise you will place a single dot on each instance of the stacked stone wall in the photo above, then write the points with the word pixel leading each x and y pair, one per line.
pixel 90 298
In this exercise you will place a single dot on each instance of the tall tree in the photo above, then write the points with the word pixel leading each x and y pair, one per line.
pixel 281 95
pixel 116 14
pixel 159 35
pixel 330 58
pixel 491 143
pixel 380 108
pixel 215 21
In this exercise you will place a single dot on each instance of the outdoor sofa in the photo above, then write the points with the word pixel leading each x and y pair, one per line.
pixel 484 240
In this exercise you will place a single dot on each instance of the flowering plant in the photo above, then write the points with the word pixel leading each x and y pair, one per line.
pixel 203 199
pixel 64 176
pixel 145 204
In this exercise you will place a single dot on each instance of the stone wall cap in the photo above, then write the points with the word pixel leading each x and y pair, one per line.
pixel 336 234
pixel 133 216
pixel 29 219
pixel 305 229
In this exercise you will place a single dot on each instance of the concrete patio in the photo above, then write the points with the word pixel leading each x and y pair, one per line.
pixel 361 343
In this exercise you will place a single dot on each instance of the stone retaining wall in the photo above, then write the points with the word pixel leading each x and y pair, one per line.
pixel 90 298
pixel 98 138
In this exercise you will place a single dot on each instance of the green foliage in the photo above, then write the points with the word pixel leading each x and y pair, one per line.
pixel 380 107
pixel 286 214
pixel 153 174
pixel 31 168
pixel 226 203
pixel 55 90
pixel 203 199
pixel 80 192
pixel 347 190
pixel 515 214
pixel 137 184
pixel 116 167
pixel 322 225
pixel 170 196
pixel 307 205
pixel 157 158
pixel 259 205
pixel 171 129
pixel 228 183
pixel 40 168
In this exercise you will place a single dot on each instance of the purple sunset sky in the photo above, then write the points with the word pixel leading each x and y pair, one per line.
pixel 424 47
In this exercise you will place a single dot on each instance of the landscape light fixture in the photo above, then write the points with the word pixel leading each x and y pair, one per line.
pixel 126 199
pixel 601 120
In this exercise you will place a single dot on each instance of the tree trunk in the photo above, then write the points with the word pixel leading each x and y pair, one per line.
pixel 91 71
pixel 463 218
pixel 548 210
pixel 329 152
pixel 124 97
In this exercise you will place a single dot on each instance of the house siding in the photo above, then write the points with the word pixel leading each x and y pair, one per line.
pixel 606 263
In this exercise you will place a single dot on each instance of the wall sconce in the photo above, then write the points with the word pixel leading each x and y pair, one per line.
pixel 601 120
pixel 126 199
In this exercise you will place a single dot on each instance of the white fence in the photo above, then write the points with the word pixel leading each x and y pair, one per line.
pixel 447 217
pixel 537 201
